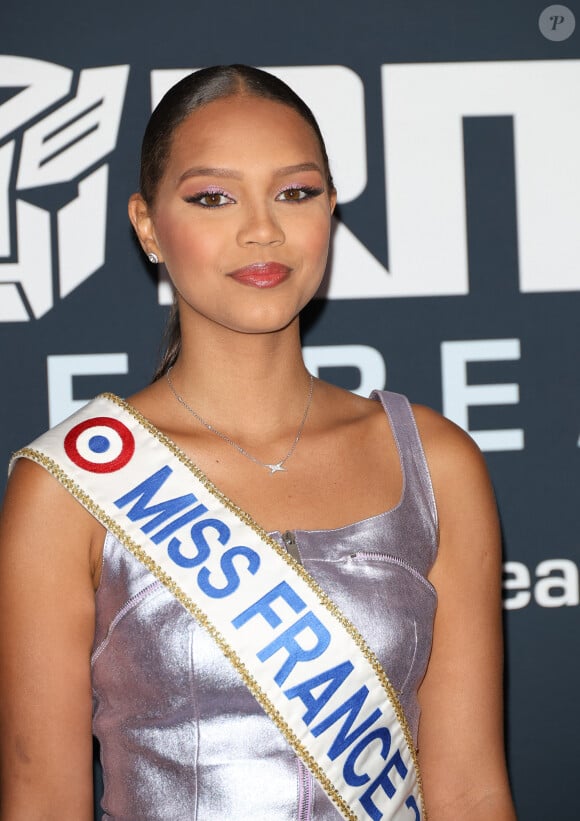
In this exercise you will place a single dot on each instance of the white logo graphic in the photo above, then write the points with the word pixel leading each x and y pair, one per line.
pixel 556 584
pixel 423 110
pixel 424 106
pixel 459 395
pixel 51 250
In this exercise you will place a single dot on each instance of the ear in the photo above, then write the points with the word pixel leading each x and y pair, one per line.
pixel 332 198
pixel 140 216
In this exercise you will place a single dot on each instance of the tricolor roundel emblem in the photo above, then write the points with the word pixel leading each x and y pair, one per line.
pixel 100 445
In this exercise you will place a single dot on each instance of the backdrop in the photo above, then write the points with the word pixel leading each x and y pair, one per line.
pixel 453 130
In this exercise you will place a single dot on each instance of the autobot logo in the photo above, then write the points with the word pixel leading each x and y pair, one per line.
pixel 55 133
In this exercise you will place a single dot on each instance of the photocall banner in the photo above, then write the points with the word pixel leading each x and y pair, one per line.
pixel 453 133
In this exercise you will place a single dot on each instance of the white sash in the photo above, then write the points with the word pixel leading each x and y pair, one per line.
pixel 300 657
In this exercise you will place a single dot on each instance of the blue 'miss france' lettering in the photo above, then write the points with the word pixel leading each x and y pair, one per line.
pixel 350 774
pixel 335 677
pixel 383 780
pixel 229 571
pixel 142 495
pixel 351 708
pixel 346 738
pixel 412 805
pixel 200 542
pixel 288 639
pixel 176 524
pixel 263 607
pixel 296 653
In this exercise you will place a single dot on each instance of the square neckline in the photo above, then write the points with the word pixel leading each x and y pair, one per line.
pixel 367 519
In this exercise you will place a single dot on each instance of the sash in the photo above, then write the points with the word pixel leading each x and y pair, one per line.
pixel 304 662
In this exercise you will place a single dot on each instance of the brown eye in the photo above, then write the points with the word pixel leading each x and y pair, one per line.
pixel 293 194
pixel 298 194
pixel 210 199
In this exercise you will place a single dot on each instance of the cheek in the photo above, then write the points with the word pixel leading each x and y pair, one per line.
pixel 183 243
pixel 317 238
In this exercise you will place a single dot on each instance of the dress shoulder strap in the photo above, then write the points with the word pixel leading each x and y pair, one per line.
pixel 416 476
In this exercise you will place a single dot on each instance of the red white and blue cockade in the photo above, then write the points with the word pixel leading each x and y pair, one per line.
pixel 100 445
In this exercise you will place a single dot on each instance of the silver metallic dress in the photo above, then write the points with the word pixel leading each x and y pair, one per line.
pixel 181 737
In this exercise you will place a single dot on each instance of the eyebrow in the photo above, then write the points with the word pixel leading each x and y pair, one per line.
pixel 230 173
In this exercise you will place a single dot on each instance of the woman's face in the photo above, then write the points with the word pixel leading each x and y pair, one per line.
pixel 242 214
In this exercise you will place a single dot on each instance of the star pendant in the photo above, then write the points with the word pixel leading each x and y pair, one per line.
pixel 276 468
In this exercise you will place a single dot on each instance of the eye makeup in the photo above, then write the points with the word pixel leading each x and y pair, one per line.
pixel 303 192
pixel 216 197
pixel 213 196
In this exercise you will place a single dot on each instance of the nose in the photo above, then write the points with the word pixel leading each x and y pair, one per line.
pixel 260 227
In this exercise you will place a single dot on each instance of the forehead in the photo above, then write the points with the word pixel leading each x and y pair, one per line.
pixel 244 128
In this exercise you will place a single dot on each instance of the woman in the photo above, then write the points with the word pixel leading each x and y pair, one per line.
pixel 236 200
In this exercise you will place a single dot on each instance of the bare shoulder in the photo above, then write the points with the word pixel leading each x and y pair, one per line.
pixel 441 436
pixel 344 405
pixel 449 449
pixel 37 506
pixel 33 487
pixel 463 491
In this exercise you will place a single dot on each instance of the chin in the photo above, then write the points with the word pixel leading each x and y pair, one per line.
pixel 267 321
pixel 264 327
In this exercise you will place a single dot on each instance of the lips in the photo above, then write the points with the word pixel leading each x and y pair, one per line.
pixel 261 274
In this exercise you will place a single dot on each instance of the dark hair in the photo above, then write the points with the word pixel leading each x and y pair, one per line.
pixel 193 92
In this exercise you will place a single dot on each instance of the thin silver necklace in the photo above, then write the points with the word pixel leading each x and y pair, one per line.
pixel 274 468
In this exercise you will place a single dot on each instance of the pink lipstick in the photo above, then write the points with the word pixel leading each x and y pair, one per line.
pixel 261 274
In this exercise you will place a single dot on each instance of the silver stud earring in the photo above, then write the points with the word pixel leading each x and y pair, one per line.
pixel 153 258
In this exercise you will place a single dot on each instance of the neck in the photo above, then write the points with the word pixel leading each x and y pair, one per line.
pixel 245 383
